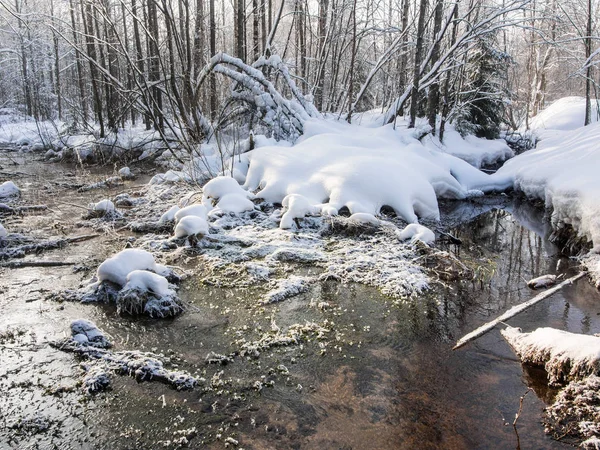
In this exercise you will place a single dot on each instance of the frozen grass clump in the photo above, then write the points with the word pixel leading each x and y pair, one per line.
pixel 565 356
pixel 85 332
pixel 576 412
pixel 287 288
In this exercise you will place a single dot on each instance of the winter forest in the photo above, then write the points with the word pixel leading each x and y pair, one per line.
pixel 277 224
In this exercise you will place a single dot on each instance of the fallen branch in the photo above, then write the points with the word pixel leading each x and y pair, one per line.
pixel 21 264
pixel 514 311
pixel 84 237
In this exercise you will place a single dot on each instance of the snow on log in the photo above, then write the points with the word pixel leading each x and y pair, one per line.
pixel 565 356
pixel 542 282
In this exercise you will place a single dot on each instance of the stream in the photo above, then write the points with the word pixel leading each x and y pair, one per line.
pixel 384 378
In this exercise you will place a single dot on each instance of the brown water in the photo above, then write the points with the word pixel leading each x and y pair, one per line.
pixel 385 379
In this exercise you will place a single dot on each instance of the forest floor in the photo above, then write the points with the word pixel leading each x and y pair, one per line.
pixel 335 364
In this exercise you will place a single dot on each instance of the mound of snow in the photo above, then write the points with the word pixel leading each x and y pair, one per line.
pixel 235 203
pixel 149 293
pixel 9 189
pixel 220 186
pixel 3 232
pixel 103 205
pixel 363 169
pixel 191 226
pixel 565 114
pixel 126 173
pixel 169 216
pixel 196 210
pixel 416 232
pixel 565 356
pixel 295 206
pixel 116 268
pixel 85 332
pixel 562 171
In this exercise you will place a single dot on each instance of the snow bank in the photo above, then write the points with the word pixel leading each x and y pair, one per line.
pixel 295 206
pixel 9 189
pixel 565 356
pixel 565 114
pixel 476 151
pixel 220 186
pixel 335 165
pixel 562 171
pixel 191 226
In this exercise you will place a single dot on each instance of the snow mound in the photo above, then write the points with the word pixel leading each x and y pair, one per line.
pixel 3 232
pixel 565 356
pixel 169 216
pixel 565 114
pixel 336 165
pixel 196 210
pixel 191 226
pixel 116 268
pixel 235 203
pixel 295 206
pixel 562 171
pixel 85 332
pixel 126 173
pixel 416 232
pixel 220 186
pixel 103 205
pixel 148 293
pixel 9 189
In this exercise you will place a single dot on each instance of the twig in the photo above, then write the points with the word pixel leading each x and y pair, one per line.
pixel 84 237
pixel 518 414
pixel 514 311
pixel 21 264
pixel 72 204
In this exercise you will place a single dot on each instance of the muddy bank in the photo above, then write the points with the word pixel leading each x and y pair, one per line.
pixel 363 370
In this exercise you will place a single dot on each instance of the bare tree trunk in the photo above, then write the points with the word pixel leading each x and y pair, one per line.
pixel 352 61
pixel 588 70
pixel 154 64
pixel 434 90
pixel 79 65
pixel 414 99
pixel 56 63
pixel 140 57
pixel 213 51
pixel 88 23
pixel 322 26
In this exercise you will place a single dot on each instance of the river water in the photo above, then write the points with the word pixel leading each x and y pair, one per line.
pixel 385 378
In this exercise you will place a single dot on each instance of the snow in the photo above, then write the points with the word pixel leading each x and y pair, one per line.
pixel 295 206
pixel 3 232
pixel 103 205
pixel 116 268
pixel 9 189
pixel 85 332
pixel 196 210
pixel 220 186
pixel 169 215
pixel 565 356
pixel 416 232
pixel 126 173
pixel 287 288
pixel 476 151
pixel 563 172
pixel 191 226
pixel 148 281
pixel 542 282
pixel 335 165
pixel 364 219
pixel 565 114
pixel 235 203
